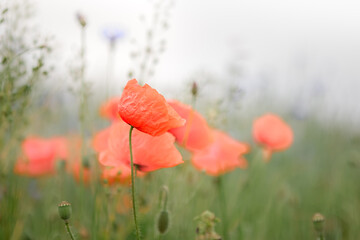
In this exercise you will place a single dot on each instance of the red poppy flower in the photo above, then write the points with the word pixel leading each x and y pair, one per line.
pixel 221 156
pixel 273 133
pixel 196 134
pixel 100 140
pixel 120 174
pixel 39 156
pixel 150 153
pixel 110 109
pixel 146 110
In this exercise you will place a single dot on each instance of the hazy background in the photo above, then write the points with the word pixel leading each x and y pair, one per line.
pixel 301 52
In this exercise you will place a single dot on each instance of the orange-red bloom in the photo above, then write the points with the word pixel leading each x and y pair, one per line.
pixel 196 134
pixel 145 109
pixel 100 140
pixel 150 153
pixel 110 109
pixel 119 174
pixel 273 133
pixel 39 156
pixel 221 156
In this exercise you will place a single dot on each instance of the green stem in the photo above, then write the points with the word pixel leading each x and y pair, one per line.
pixel 321 236
pixel 137 231
pixel 221 191
pixel 109 70
pixel 69 230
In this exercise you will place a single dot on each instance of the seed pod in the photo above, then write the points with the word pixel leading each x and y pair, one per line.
pixel 64 210
pixel 194 89
pixel 319 222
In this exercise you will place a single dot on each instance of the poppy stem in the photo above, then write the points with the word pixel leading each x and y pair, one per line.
pixel 321 237
pixel 69 230
pixel 223 203
pixel 137 231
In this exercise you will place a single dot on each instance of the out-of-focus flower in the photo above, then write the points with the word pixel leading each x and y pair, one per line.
pixel 146 110
pixel 119 174
pixel 150 153
pixel 273 133
pixel 113 34
pixel 100 140
pixel 195 134
pixel 39 156
pixel 110 109
pixel 223 155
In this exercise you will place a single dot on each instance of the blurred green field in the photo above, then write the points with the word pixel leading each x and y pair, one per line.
pixel 319 173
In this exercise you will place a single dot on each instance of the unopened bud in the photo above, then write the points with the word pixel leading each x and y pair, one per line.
pixel 319 222
pixel 194 89
pixel 85 162
pixel 81 19
pixel 163 222
pixel 164 197
pixel 64 210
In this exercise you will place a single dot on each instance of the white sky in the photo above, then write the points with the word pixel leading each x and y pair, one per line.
pixel 299 44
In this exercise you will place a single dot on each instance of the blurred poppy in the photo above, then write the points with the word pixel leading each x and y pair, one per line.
pixel 273 133
pixel 196 134
pixel 150 153
pixel 100 140
pixel 146 110
pixel 39 156
pixel 119 174
pixel 109 109
pixel 221 156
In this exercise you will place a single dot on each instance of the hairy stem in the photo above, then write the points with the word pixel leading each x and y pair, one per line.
pixel 69 230
pixel 137 231
pixel 223 203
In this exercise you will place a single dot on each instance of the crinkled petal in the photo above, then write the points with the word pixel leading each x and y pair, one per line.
pixel 145 109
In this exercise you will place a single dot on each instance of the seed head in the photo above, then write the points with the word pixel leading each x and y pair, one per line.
pixel 64 210
pixel 318 221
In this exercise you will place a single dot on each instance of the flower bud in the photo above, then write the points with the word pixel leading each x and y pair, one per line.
pixel 163 222
pixel 81 19
pixel 65 210
pixel 194 89
pixel 318 221
pixel 85 162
